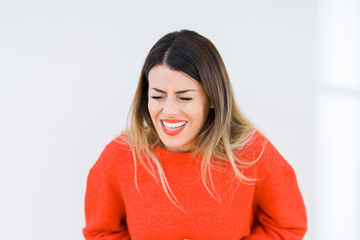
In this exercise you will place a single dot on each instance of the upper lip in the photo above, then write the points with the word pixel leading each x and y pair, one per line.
pixel 172 120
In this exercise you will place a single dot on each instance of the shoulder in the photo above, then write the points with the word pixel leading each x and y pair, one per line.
pixel 119 144
pixel 116 152
pixel 266 158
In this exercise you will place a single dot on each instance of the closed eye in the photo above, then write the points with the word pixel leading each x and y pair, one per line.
pixel 156 97
pixel 186 99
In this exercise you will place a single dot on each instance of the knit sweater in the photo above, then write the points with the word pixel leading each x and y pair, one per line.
pixel 269 208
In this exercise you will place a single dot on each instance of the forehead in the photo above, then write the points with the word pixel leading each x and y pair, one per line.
pixel 164 77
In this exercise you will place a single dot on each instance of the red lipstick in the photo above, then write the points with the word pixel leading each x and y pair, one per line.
pixel 170 127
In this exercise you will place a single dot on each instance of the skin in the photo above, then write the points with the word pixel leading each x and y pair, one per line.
pixel 176 96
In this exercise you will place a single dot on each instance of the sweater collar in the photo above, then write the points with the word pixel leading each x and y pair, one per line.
pixel 165 156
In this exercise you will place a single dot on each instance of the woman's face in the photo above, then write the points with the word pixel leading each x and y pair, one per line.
pixel 178 106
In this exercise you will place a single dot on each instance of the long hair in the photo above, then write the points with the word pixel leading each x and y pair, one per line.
pixel 226 130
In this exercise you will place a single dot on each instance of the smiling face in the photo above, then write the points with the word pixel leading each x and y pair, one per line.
pixel 178 107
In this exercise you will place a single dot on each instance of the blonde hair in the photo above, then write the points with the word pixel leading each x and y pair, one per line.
pixel 226 130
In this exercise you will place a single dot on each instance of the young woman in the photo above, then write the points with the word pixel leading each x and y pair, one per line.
pixel 190 165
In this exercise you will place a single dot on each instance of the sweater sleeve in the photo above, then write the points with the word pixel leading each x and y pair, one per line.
pixel 279 207
pixel 104 207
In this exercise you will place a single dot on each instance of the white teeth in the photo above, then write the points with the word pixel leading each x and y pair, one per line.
pixel 173 125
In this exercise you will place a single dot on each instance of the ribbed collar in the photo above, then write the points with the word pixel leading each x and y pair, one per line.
pixel 166 156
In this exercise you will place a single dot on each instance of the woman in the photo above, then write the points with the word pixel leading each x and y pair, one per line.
pixel 190 165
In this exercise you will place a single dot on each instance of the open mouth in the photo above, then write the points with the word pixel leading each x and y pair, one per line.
pixel 173 127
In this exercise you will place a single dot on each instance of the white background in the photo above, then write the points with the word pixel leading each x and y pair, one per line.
pixel 69 69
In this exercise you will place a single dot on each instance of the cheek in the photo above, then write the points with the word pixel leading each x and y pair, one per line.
pixel 151 109
pixel 198 113
pixel 154 110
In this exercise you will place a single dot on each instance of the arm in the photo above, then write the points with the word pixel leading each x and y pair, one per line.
pixel 104 207
pixel 279 207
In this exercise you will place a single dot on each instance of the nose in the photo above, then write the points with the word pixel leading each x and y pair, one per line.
pixel 171 107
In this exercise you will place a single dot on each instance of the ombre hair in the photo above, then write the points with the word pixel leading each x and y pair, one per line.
pixel 225 132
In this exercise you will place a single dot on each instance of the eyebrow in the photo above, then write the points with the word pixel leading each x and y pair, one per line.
pixel 181 91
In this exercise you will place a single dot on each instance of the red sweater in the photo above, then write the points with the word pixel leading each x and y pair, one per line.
pixel 271 208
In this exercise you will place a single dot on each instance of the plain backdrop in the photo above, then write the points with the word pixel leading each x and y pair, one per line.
pixel 69 69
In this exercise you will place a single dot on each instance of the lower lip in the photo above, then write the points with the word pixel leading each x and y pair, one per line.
pixel 172 132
